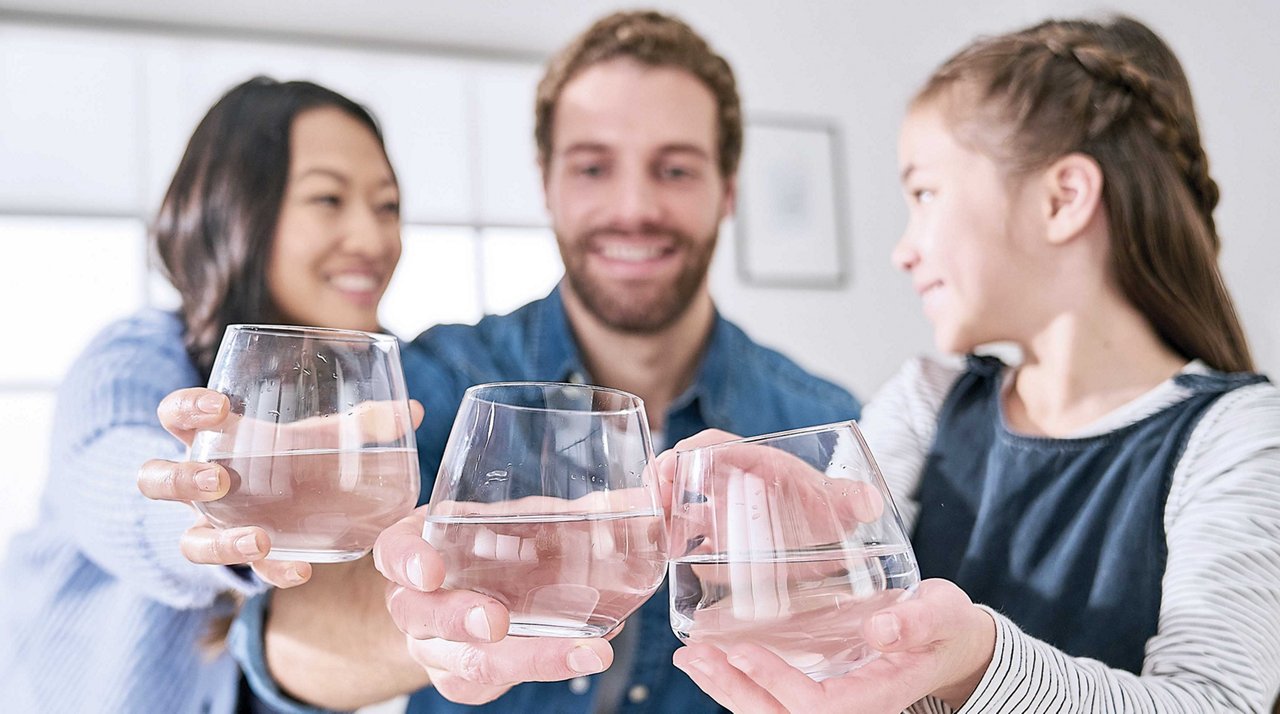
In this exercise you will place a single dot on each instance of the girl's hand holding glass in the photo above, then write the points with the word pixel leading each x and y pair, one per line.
pixel 793 583
pixel 937 643
pixel 788 541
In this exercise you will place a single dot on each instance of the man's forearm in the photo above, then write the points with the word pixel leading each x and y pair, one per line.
pixel 332 644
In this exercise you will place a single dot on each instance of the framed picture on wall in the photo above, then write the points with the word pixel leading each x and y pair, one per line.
pixel 790 224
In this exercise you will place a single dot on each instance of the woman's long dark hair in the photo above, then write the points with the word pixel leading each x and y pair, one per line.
pixel 216 226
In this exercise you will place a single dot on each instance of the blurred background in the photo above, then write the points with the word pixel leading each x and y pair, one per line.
pixel 97 98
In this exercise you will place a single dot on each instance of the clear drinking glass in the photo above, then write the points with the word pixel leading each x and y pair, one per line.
pixel 319 444
pixel 545 503
pixel 788 541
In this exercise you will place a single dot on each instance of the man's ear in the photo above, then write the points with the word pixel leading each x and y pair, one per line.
pixel 730 197
pixel 543 168
pixel 1073 194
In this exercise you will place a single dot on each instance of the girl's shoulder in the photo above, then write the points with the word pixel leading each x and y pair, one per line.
pixel 1241 422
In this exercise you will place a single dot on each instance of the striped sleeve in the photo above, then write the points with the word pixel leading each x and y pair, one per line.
pixel 1217 647
pixel 900 423
pixel 105 429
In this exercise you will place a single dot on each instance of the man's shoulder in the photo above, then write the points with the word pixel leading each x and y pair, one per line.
pixel 478 350
pixel 791 386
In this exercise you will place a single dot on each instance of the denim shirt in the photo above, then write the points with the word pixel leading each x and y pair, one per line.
pixel 739 387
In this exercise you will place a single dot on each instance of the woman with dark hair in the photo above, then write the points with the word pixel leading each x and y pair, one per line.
pixel 284 209
pixel 1099 524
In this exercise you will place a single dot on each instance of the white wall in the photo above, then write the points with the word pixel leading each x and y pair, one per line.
pixel 857 63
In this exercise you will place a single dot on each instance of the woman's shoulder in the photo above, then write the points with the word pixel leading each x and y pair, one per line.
pixel 147 342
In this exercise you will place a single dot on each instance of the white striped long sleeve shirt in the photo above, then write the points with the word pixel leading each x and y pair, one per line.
pixel 1217 645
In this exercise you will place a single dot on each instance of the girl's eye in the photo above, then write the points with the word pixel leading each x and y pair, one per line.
pixel 922 195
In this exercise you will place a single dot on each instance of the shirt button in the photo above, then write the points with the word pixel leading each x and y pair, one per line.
pixel 579 685
pixel 638 694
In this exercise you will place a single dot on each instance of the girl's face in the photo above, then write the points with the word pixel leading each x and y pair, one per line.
pixel 338 237
pixel 968 244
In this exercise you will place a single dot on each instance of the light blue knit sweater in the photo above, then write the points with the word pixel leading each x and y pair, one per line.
pixel 99 611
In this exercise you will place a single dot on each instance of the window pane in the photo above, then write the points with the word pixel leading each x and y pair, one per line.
pixel 186 76
pixel 421 103
pixel 434 283
pixel 64 280
pixel 25 420
pixel 511 190
pixel 519 265
pixel 69 129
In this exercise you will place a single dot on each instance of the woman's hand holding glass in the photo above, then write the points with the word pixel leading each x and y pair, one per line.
pixel 305 451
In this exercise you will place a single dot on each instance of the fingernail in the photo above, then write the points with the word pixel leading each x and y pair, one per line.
pixel 413 570
pixel 247 544
pixel 886 628
pixel 698 666
pixel 740 663
pixel 478 624
pixel 210 403
pixel 293 575
pixel 584 660
pixel 207 480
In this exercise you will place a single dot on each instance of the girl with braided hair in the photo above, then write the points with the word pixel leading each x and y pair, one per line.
pixel 1098 525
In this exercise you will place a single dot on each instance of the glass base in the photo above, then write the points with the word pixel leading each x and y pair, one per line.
pixel 557 627
pixel 316 556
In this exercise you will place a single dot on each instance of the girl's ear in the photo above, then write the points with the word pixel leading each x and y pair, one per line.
pixel 1074 190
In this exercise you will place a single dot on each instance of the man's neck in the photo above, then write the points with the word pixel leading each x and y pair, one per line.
pixel 656 366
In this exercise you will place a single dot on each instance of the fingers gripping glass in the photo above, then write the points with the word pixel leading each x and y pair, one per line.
pixel 788 541
pixel 319 443
pixel 545 503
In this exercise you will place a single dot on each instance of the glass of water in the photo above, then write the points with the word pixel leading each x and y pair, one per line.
pixel 319 443
pixel 788 541
pixel 545 502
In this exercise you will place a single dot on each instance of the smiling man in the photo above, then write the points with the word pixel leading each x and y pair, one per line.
pixel 639 132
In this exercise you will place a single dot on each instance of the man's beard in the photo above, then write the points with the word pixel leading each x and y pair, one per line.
pixel 639 309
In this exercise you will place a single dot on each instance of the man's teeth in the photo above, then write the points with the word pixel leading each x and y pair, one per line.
pixel 354 282
pixel 633 253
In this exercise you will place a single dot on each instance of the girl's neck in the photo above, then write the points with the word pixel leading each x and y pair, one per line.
pixel 1084 364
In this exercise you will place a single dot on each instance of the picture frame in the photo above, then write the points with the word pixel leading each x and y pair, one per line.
pixel 790 228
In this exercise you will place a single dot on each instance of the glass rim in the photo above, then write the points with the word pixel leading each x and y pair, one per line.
pixel 637 404
pixel 771 436
pixel 328 333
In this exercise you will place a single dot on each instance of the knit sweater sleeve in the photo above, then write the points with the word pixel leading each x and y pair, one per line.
pixel 105 428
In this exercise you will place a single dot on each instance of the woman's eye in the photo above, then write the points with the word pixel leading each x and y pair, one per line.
pixel 922 195
pixel 390 208
pixel 590 170
pixel 331 200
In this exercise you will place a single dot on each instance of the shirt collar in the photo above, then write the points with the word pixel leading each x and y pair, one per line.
pixel 555 349
pixel 556 355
